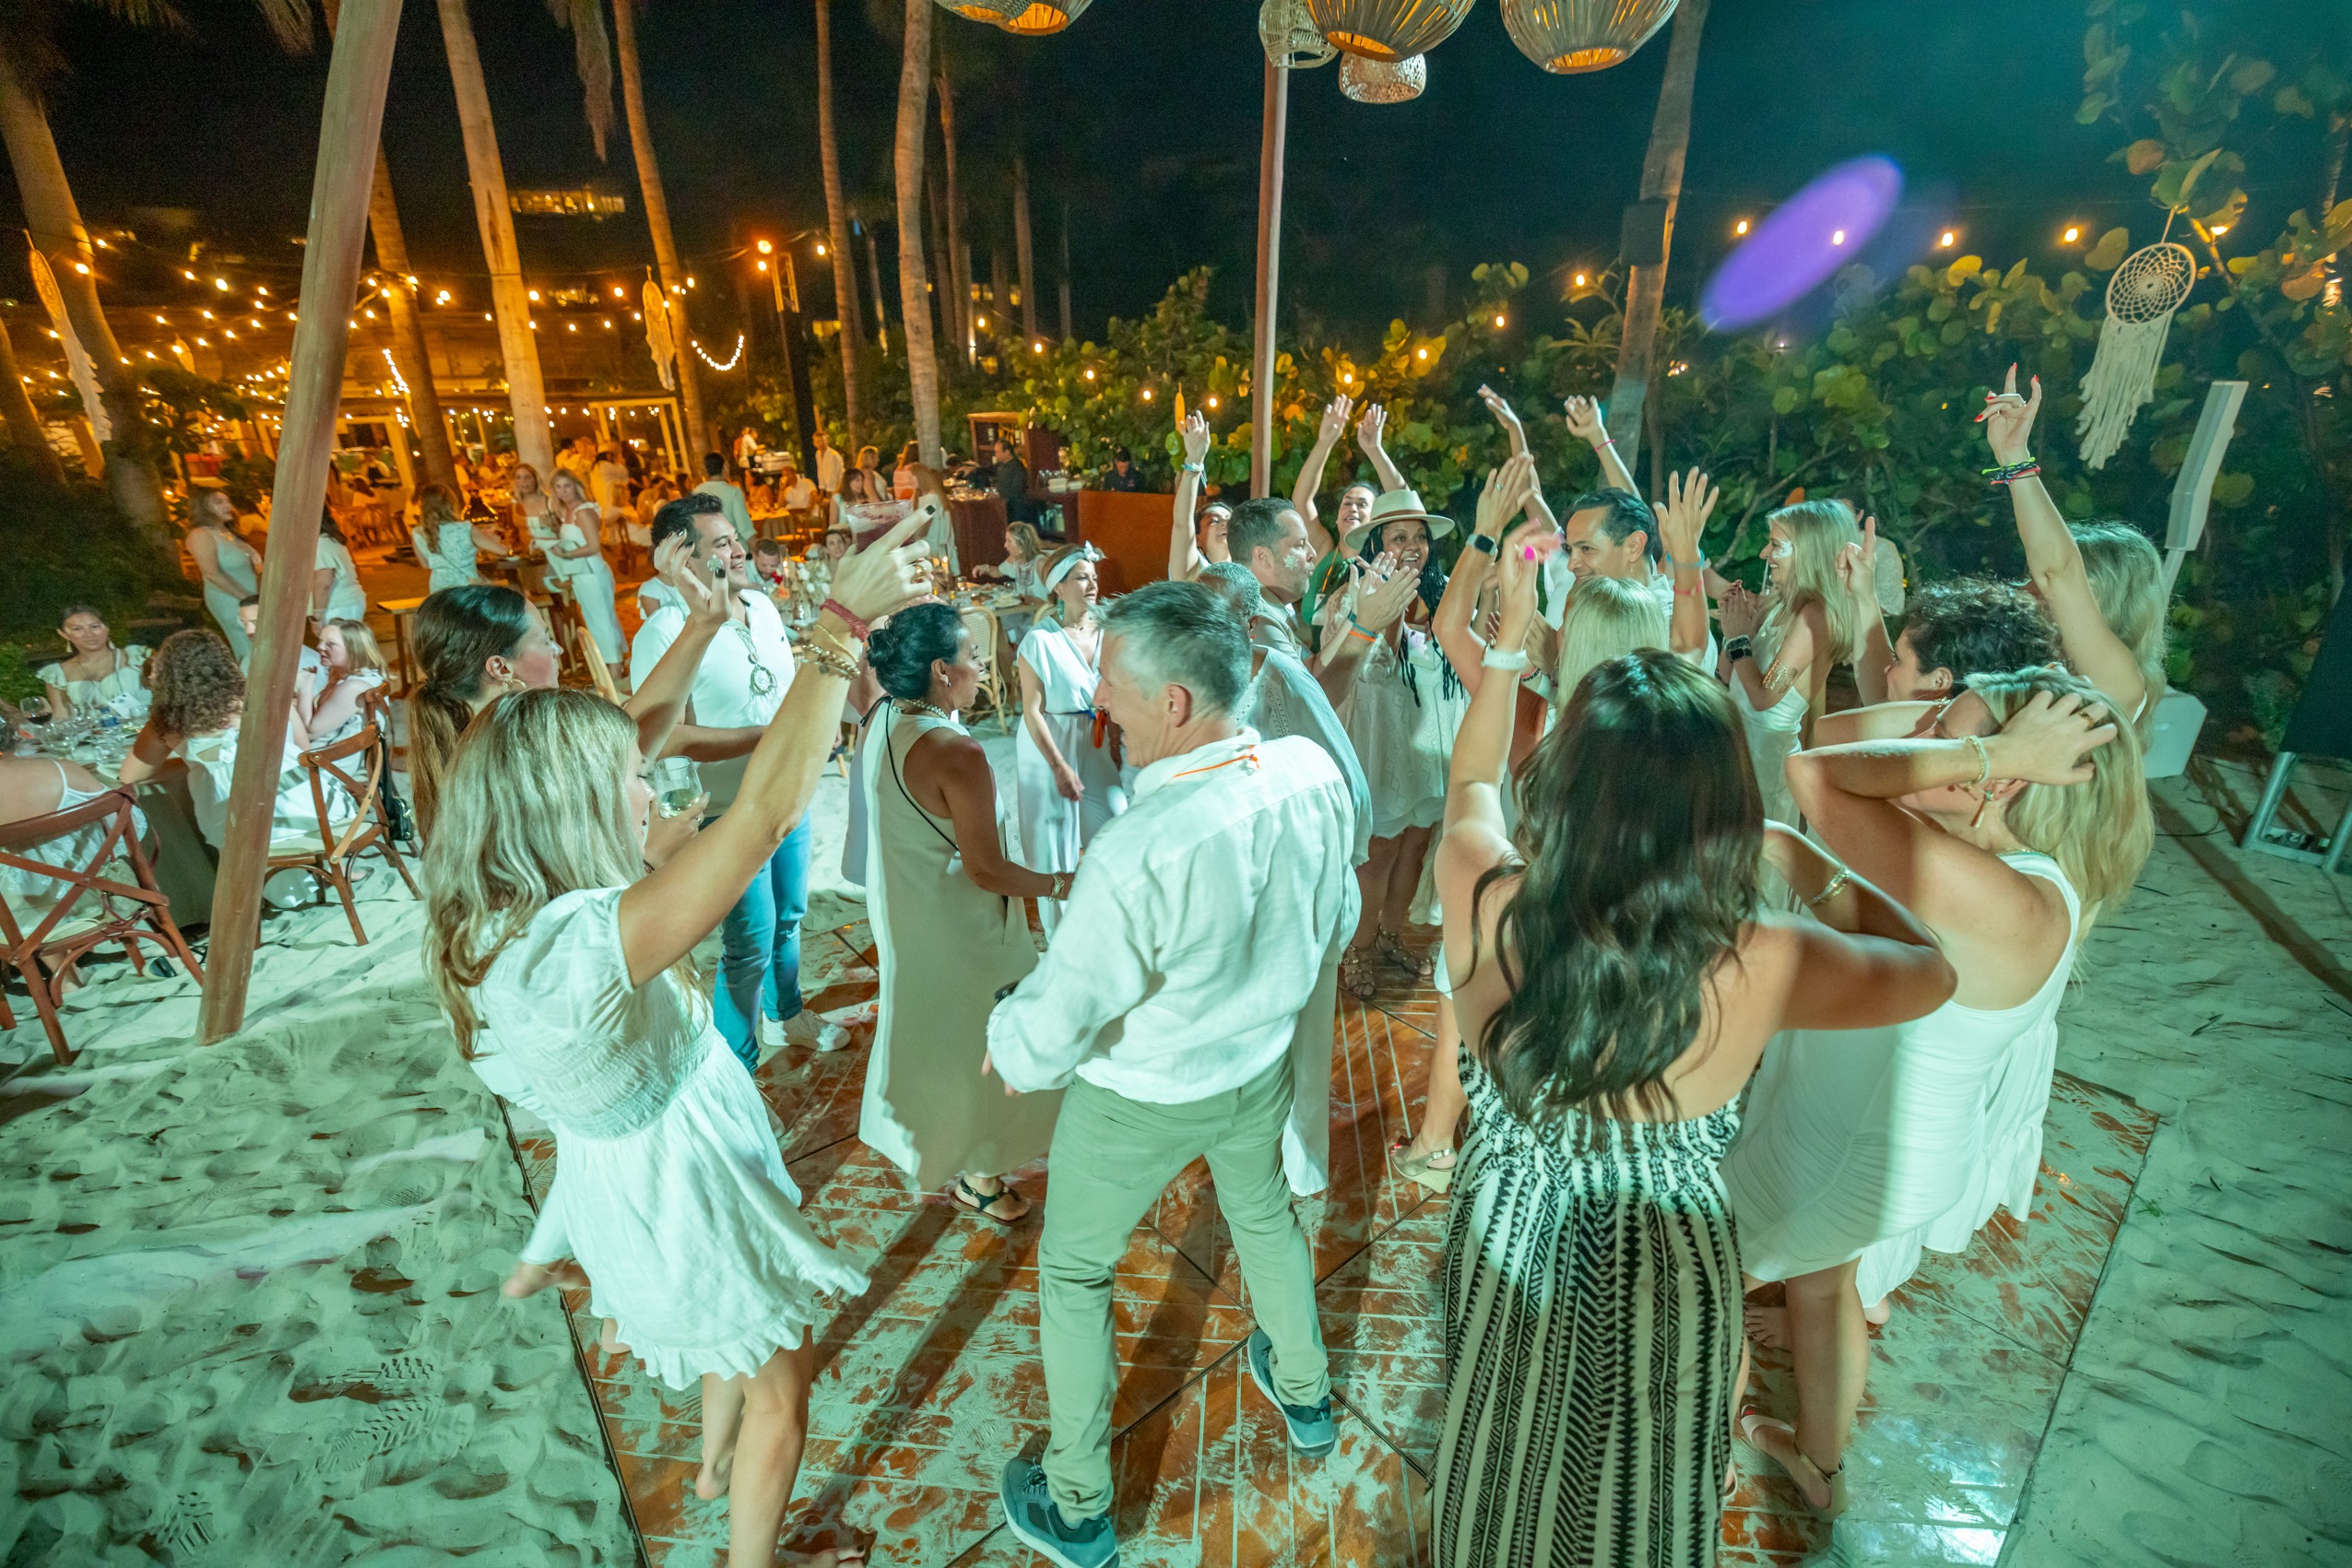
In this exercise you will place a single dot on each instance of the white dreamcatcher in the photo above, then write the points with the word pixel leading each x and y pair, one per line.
pixel 659 337
pixel 2141 297
pixel 77 361
pixel 1291 39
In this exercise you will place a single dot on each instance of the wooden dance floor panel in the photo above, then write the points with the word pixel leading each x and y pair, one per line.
pixel 932 1380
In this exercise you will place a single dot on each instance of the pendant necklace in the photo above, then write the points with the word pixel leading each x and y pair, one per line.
pixel 762 680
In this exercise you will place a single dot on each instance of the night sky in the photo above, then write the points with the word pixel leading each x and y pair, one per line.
pixel 1144 116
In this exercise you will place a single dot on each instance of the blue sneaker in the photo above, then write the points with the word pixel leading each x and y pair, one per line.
pixel 1311 1428
pixel 1029 1509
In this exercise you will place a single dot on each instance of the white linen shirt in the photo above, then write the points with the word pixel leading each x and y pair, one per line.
pixel 830 468
pixel 723 698
pixel 1198 927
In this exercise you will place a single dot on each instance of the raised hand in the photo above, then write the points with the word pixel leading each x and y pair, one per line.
pixel 1506 495
pixel 1585 421
pixel 2008 420
pixel 1741 610
pixel 2049 740
pixel 1500 408
pixel 1385 596
pixel 1335 420
pixel 702 590
pixel 1195 432
pixel 1368 427
pixel 889 574
pixel 1521 565
pixel 1682 519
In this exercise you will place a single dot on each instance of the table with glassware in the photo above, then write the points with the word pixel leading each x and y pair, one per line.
pixel 183 862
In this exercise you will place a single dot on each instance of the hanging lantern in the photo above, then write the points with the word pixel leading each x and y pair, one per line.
pixel 1388 31
pixel 1567 37
pixel 1289 36
pixel 992 12
pixel 1375 81
pixel 1036 19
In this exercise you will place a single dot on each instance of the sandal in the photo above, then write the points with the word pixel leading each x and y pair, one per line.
pixel 1800 1468
pixel 1415 967
pixel 984 1203
pixel 1358 978
pixel 1434 1169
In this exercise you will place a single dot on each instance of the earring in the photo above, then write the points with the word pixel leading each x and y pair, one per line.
pixel 1984 803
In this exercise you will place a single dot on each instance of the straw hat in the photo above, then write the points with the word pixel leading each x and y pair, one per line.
pixel 1398 506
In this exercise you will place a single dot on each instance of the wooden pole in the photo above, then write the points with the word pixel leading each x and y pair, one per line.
pixel 339 191
pixel 1270 269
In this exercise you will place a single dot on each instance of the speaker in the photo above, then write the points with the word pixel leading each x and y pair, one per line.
pixel 1642 239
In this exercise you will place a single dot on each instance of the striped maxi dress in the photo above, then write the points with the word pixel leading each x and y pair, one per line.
pixel 1592 1325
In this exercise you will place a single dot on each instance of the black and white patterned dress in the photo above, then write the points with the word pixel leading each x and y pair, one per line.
pixel 1593 1327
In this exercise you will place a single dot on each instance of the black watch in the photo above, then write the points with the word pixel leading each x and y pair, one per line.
pixel 1484 545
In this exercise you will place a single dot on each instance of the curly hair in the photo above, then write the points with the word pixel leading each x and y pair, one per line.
pixel 1974 625
pixel 198 687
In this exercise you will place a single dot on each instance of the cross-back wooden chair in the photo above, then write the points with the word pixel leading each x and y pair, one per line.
pixel 357 765
pixel 96 904
pixel 998 686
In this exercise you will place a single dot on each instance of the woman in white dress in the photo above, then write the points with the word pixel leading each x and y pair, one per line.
pixel 446 542
pixel 575 553
pixel 2014 814
pixel 229 567
pixel 1778 646
pixel 1070 780
pixel 353 667
pixel 335 593
pixel 527 499
pixel 951 922
pixel 561 968
pixel 97 675
pixel 1401 716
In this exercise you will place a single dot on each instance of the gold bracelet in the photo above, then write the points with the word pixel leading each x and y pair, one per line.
pixel 1984 762
pixel 842 646
pixel 826 660
pixel 1831 888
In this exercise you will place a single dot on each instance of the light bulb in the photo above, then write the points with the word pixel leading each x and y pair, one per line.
pixel 1741 226
pixel 1948 240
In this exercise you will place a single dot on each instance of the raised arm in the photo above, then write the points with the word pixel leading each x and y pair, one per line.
pixel 1880 720
pixel 1585 424
pixel 1858 572
pixel 1682 525
pixel 1368 427
pixel 1184 559
pixel 1328 435
pixel 1498 504
pixel 660 699
pixel 1868 961
pixel 675 906
pixel 1474 840
pixel 1500 408
pixel 2054 560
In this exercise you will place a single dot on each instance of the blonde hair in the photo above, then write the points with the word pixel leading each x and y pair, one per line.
pixel 435 506
pixel 1604 617
pixel 1817 530
pixel 2127 578
pixel 2100 831
pixel 535 805
pixel 1033 549
pixel 359 642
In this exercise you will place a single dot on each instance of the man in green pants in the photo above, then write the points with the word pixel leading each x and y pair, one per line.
pixel 1197 927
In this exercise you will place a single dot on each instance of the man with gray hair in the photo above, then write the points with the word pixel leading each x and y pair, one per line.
pixel 1194 931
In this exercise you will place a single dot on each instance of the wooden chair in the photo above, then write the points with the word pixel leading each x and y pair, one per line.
pixel 998 686
pixel 328 855
pixel 95 906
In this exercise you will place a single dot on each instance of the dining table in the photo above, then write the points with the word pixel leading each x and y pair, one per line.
pixel 185 865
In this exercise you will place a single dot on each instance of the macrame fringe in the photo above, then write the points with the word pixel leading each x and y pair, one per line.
pixel 2121 378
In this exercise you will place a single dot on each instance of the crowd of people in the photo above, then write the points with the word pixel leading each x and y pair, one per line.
pixel 1747 996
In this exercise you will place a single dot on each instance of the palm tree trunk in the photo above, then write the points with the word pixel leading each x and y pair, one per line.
pixel 959 257
pixel 1066 333
pixel 943 265
pixel 410 350
pixel 1661 180
pixel 874 274
pixel 510 301
pixel 673 275
pixel 1024 247
pixel 55 224
pixel 24 424
pixel 914 309
pixel 845 265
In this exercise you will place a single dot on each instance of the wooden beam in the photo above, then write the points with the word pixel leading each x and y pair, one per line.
pixel 349 129
pixel 1262 391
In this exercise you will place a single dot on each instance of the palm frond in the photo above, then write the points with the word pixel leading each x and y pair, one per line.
pixel 592 50
pixel 289 22
pixel 142 13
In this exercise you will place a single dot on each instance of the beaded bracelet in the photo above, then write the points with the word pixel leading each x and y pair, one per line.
pixel 826 660
pixel 1355 629
pixel 1984 762
pixel 858 628
pixel 2010 473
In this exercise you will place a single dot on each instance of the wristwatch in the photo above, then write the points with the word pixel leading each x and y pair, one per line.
pixel 1737 648
pixel 1484 545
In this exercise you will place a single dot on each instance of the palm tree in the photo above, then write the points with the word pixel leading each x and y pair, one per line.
pixel 1661 180
pixel 24 424
pixel 1023 245
pixel 510 302
pixel 413 355
pixel 845 265
pixel 958 258
pixel 915 309
pixel 28 57
pixel 673 275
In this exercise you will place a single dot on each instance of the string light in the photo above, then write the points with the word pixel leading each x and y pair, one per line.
pixel 1741 226
pixel 1949 241
pixel 398 381
pixel 2074 233
pixel 1837 236
pixel 713 363
pixel 1579 284
pixel 221 284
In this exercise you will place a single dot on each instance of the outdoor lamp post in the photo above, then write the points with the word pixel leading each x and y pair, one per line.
pixel 796 363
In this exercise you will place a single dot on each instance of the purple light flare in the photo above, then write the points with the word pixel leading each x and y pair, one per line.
pixel 1805 241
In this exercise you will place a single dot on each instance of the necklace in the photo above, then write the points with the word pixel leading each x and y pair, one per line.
pixel 916 706
pixel 762 679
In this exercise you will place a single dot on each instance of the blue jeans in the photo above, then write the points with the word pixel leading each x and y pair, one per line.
pixel 761 969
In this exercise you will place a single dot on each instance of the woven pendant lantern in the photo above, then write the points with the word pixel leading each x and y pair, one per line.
pixel 1376 81
pixel 1289 36
pixel 1386 30
pixel 992 12
pixel 1038 17
pixel 1567 37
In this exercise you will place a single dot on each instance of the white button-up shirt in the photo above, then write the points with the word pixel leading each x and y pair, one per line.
pixel 1197 928
pixel 727 687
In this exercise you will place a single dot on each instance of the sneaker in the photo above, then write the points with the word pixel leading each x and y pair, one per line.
pixel 1311 1428
pixel 805 1027
pixel 1029 1509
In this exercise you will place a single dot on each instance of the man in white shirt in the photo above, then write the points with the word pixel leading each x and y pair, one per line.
pixel 1164 1007
pixel 608 483
pixel 794 491
pixel 741 681
pixel 830 466
pixel 730 499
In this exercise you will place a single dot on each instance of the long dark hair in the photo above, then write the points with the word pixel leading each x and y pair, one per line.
pixel 1638 843
pixel 1429 590
pixel 457 631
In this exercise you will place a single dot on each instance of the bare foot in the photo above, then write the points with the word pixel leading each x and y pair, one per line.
pixel 530 1278
pixel 713 1479
pixel 1878 1312
pixel 609 1342
pixel 1769 1327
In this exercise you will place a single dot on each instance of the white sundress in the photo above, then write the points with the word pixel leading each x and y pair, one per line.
pixel 1877 1143
pixel 449 554
pixel 669 1189
pixel 120 690
pixel 1053 829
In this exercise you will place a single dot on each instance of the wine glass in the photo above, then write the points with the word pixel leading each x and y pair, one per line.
pixel 36 712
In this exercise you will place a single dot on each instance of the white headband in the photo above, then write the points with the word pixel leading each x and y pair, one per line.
pixel 1067 563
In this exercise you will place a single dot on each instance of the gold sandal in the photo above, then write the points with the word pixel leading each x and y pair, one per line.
pixel 1798 1467
pixel 1424 1168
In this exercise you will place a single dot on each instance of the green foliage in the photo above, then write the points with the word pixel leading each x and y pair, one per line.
pixel 67 545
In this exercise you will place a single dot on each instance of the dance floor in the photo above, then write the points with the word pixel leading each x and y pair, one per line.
pixel 932 1380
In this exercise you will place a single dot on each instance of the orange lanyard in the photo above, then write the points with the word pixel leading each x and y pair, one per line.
pixel 1250 757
